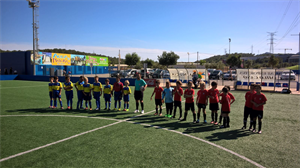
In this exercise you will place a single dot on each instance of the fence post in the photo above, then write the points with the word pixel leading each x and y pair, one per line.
pixel 275 80
pixel 290 79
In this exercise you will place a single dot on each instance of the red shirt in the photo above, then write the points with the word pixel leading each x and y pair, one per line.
pixel 158 91
pixel 214 93
pixel 225 101
pixel 258 99
pixel 248 97
pixel 189 92
pixel 202 96
pixel 177 97
pixel 118 86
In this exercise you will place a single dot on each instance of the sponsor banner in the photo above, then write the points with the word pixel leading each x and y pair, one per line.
pixel 256 75
pixel 78 60
pixel 150 82
pixel 201 74
pixel 61 59
pixel 42 58
pixel 96 60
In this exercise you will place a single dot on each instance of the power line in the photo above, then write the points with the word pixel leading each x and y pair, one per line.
pixel 283 16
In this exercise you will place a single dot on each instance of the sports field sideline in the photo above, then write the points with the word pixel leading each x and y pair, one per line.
pixel 32 135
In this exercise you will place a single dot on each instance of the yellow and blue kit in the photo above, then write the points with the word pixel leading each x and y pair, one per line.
pixel 126 91
pixel 69 92
pixel 50 91
pixel 56 87
pixel 87 90
pixel 97 87
pixel 107 92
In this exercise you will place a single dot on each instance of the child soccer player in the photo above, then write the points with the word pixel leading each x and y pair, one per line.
pixel 79 88
pixel 231 96
pixel 258 100
pixel 56 88
pixel 118 89
pixel 50 91
pixel 68 86
pixel 189 101
pixel 213 102
pixel 87 93
pixel 97 91
pixel 158 101
pixel 126 92
pixel 108 89
pixel 248 106
pixel 226 102
pixel 177 99
pixel 202 99
pixel 167 94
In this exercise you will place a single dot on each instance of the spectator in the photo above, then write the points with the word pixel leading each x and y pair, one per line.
pixel 195 79
pixel 5 71
pixel 10 70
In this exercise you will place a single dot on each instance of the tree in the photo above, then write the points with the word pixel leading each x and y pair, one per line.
pixel 149 62
pixel 248 63
pixel 273 61
pixel 132 59
pixel 234 60
pixel 167 59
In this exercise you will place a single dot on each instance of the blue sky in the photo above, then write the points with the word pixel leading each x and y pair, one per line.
pixel 150 27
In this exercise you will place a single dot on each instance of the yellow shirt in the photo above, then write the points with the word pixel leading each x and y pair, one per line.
pixel 50 87
pixel 97 87
pixel 108 89
pixel 79 85
pixel 68 84
pixel 56 86
pixel 87 87
pixel 126 90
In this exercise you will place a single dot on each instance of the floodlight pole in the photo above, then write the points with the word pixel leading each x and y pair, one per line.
pixel 33 39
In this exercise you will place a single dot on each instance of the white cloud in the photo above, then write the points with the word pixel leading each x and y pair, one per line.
pixel 109 51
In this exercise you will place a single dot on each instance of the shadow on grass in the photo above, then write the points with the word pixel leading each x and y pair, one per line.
pixel 229 135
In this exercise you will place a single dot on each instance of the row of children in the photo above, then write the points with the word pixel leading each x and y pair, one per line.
pixel 85 90
pixel 253 106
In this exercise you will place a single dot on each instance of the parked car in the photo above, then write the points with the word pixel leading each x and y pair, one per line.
pixel 115 73
pixel 165 74
pixel 157 73
pixel 217 74
pixel 128 73
pixel 226 76
pixel 147 73
pixel 151 72
pixel 209 71
pixel 286 74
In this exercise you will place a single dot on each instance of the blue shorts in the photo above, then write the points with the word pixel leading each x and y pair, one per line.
pixel 118 95
pixel 96 95
pixel 69 94
pixel 107 97
pixel 51 95
pixel 87 96
pixel 56 94
pixel 79 95
pixel 126 98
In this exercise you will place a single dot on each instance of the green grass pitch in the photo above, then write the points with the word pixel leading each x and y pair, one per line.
pixel 135 143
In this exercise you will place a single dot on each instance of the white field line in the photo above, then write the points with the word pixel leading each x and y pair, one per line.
pixel 202 140
pixel 20 87
pixel 53 143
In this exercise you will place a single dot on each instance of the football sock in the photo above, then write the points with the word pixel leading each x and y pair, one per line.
pixel 86 104
pixel 171 111
pixel 180 111
pixel 106 104
pixel 185 115
pixel 109 105
pixel 198 115
pixel 174 112
pixel 124 105
pixel 90 103
pixel 245 123
pixel 98 105
pixel 216 117
pixel 224 121
pixel 142 105
pixel 128 105
pixel 51 102
pixel 228 121
pixel 60 102
pixel 156 110
pixel 81 103
pixel 115 104
pixel 251 124
pixel 71 103
pixel 136 105
pixel 220 119
pixel 68 102
pixel 212 116
pixel 119 104
pixel 194 116
pixel 55 103
pixel 167 111
pixel 259 125
pixel 160 110
pixel 254 124
pixel 204 115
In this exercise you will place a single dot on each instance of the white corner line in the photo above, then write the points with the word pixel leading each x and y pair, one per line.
pixel 53 143
pixel 21 87
pixel 72 116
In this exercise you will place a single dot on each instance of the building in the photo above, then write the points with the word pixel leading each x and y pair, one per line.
pixel 294 59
